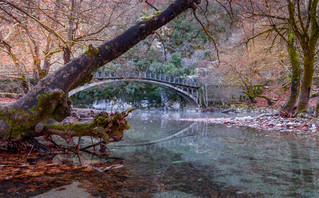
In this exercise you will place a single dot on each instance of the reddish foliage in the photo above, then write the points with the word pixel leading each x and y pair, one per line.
pixel 275 93
pixel 279 97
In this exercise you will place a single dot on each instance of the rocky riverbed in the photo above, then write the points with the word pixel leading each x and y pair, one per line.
pixel 271 122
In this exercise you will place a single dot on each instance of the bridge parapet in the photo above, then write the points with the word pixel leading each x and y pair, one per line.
pixel 174 80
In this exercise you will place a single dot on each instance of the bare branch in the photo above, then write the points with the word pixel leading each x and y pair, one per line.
pixel 49 29
pixel 151 5
pixel 208 34
pixel 162 41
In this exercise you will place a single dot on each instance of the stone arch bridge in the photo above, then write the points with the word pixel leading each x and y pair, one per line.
pixel 187 88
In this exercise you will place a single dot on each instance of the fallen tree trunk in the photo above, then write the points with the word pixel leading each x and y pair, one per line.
pixel 104 126
pixel 28 116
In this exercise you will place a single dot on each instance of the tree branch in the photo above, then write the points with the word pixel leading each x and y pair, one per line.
pixel 209 35
pixel 151 5
pixel 49 29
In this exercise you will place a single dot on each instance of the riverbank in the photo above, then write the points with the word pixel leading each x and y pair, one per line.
pixel 268 122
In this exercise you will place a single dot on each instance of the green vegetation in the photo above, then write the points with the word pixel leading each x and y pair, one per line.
pixel 20 123
pixel 131 92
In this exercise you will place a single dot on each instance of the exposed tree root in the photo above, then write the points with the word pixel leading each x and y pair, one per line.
pixel 287 114
pixel 92 145
pixel 105 126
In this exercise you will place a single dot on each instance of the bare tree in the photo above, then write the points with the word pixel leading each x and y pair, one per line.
pixel 280 18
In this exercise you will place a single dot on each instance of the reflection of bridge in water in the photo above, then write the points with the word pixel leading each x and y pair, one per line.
pixel 185 136
pixel 187 88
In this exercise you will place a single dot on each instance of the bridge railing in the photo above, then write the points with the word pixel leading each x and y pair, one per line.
pixel 184 81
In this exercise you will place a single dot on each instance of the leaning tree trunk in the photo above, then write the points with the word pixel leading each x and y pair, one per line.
pixel 49 100
pixel 289 106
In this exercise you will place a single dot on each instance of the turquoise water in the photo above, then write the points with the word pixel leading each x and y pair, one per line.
pixel 207 160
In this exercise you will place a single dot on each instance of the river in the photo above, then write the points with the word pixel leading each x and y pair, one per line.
pixel 208 160
pixel 162 156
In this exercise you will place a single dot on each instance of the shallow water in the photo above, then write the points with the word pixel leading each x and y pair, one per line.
pixel 162 156
pixel 243 160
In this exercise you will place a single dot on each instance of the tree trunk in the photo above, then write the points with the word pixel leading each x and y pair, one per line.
pixel 48 99
pixel 289 106
pixel 309 56
pixel 250 92
pixel 66 49
pixel 66 55
pixel 317 108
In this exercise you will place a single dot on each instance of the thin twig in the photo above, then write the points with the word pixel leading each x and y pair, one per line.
pixel 29 152
pixel 151 5
pixel 55 144
pixel 115 166
pixel 93 145
pixel 79 140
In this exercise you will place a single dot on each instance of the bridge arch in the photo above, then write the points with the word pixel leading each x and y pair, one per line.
pixel 189 98
pixel 185 135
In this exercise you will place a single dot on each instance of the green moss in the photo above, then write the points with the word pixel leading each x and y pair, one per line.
pixel 56 126
pixel 295 78
pixel 149 17
pixel 93 51
pixel 129 110
pixel 118 116
pixel 22 122
pixel 1 114
pixel 46 100
pixel 43 73
pixel 314 94
pixel 243 107
pixel 157 12
pixel 146 18
pixel 78 127
pixel 127 126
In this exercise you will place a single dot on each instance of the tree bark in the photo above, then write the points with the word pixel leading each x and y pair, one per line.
pixel 317 108
pixel 66 49
pixel 309 56
pixel 307 33
pixel 48 99
pixel 289 106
